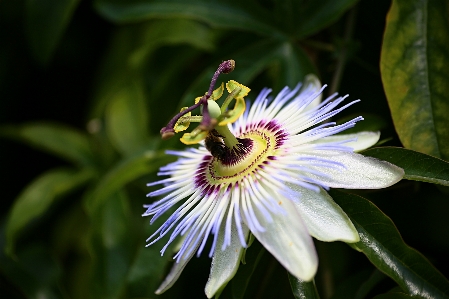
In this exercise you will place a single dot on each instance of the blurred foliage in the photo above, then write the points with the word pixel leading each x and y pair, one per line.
pixel 87 85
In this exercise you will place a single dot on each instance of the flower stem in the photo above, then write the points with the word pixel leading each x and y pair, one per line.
pixel 228 138
pixel 229 98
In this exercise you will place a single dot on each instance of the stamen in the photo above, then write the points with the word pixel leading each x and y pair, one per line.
pixel 207 122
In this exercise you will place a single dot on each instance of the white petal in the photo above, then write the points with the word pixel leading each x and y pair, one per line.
pixel 225 262
pixel 288 240
pixel 175 271
pixel 325 220
pixel 363 141
pixel 360 172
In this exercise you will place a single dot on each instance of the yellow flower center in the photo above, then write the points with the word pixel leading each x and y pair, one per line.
pixel 259 146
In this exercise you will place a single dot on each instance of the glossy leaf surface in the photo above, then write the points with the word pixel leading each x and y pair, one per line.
pixel 385 248
pixel 417 166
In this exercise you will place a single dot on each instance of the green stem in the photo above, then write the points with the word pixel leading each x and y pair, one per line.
pixel 229 98
pixel 228 138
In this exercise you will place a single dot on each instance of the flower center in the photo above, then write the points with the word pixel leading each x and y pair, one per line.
pixel 255 148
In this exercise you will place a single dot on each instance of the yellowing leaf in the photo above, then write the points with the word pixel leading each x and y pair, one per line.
pixel 415 67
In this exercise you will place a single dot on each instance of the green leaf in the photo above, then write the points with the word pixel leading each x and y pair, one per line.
pixel 177 31
pixel 417 166
pixel 38 196
pixel 294 65
pixel 58 139
pixel 112 245
pixel 126 119
pixel 147 270
pixel 383 245
pixel 46 21
pixel 303 289
pixel 304 18
pixel 124 172
pixel 415 68
pixel 126 62
pixel 242 15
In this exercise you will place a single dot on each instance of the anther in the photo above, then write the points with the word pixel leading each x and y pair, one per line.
pixel 225 67
pixel 167 133
pixel 207 122
pixel 229 66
